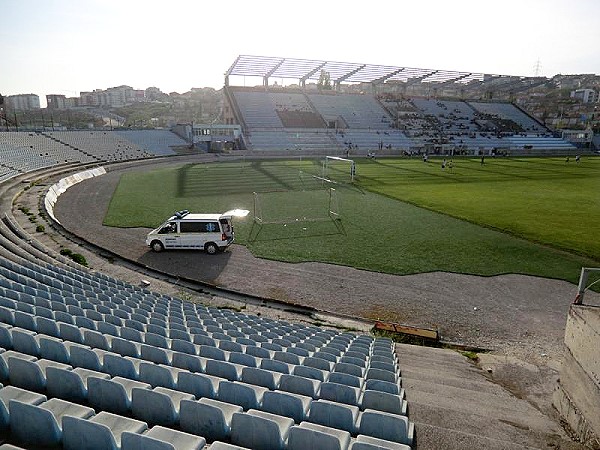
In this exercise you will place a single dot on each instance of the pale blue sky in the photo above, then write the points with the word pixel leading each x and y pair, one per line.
pixel 69 46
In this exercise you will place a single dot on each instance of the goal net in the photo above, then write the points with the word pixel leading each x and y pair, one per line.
pixel 339 170
pixel 293 211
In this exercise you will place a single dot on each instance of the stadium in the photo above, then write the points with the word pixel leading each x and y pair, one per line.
pixel 407 276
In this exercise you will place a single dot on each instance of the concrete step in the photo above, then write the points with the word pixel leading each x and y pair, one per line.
pixel 455 406
pixel 431 437
pixel 516 429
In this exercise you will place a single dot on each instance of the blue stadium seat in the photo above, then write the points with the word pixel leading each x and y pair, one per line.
pixel 70 385
pixel 334 415
pixel 287 404
pixel 25 341
pixel 258 429
pixel 113 395
pixel 340 393
pixel 261 377
pixel 300 385
pixel 159 375
pixel 313 436
pixel 102 431
pixel 8 393
pixel 208 418
pixel 188 362
pixel 223 369
pixel 248 396
pixel 162 438
pixel 383 425
pixel 363 442
pixel 41 424
pixel 199 385
pixel 31 375
pixel 159 406
pixel 383 401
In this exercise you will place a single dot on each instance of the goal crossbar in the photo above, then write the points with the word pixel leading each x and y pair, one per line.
pixel 338 158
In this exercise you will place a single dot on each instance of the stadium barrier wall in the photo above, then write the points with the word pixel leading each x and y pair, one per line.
pixel 63 184
pixel 577 396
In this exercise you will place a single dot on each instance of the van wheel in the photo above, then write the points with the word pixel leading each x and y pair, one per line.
pixel 211 248
pixel 157 246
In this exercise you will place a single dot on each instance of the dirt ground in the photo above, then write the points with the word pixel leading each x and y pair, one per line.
pixel 509 313
pixel 521 319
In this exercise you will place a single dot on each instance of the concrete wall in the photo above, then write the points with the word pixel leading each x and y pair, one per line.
pixel 65 183
pixel 577 397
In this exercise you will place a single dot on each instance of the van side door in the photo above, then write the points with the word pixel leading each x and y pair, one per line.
pixel 170 236
pixel 194 234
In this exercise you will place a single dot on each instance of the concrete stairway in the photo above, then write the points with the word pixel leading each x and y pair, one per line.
pixel 454 406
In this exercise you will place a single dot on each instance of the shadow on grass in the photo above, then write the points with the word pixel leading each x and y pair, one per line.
pixel 294 230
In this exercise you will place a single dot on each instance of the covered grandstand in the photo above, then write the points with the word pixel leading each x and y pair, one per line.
pixel 386 112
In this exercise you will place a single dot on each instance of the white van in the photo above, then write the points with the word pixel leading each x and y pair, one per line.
pixel 184 230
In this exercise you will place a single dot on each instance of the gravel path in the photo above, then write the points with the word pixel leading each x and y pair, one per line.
pixel 510 313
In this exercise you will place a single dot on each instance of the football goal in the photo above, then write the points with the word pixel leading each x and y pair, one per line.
pixel 339 170
pixel 296 210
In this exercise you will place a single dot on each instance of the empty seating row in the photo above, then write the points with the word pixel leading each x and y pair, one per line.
pixel 208 418
pixel 177 324
pixel 190 334
pixel 380 389
pixel 119 369
pixel 36 421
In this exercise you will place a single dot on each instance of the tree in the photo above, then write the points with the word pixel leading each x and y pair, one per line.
pixel 324 81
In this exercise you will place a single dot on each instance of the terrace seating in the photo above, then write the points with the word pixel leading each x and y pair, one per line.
pixel 22 152
pixel 156 142
pixel 272 373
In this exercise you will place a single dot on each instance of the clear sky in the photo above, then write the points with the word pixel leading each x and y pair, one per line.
pixel 69 46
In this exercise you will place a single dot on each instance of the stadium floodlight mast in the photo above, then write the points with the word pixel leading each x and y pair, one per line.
pixel 583 279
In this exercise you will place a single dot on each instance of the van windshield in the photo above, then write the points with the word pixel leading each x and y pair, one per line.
pixel 170 227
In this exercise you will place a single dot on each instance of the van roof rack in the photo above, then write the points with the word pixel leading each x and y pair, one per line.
pixel 182 213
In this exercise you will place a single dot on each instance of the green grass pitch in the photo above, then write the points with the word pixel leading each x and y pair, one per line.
pixel 534 216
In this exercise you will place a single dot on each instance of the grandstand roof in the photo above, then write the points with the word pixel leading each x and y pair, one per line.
pixel 349 72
